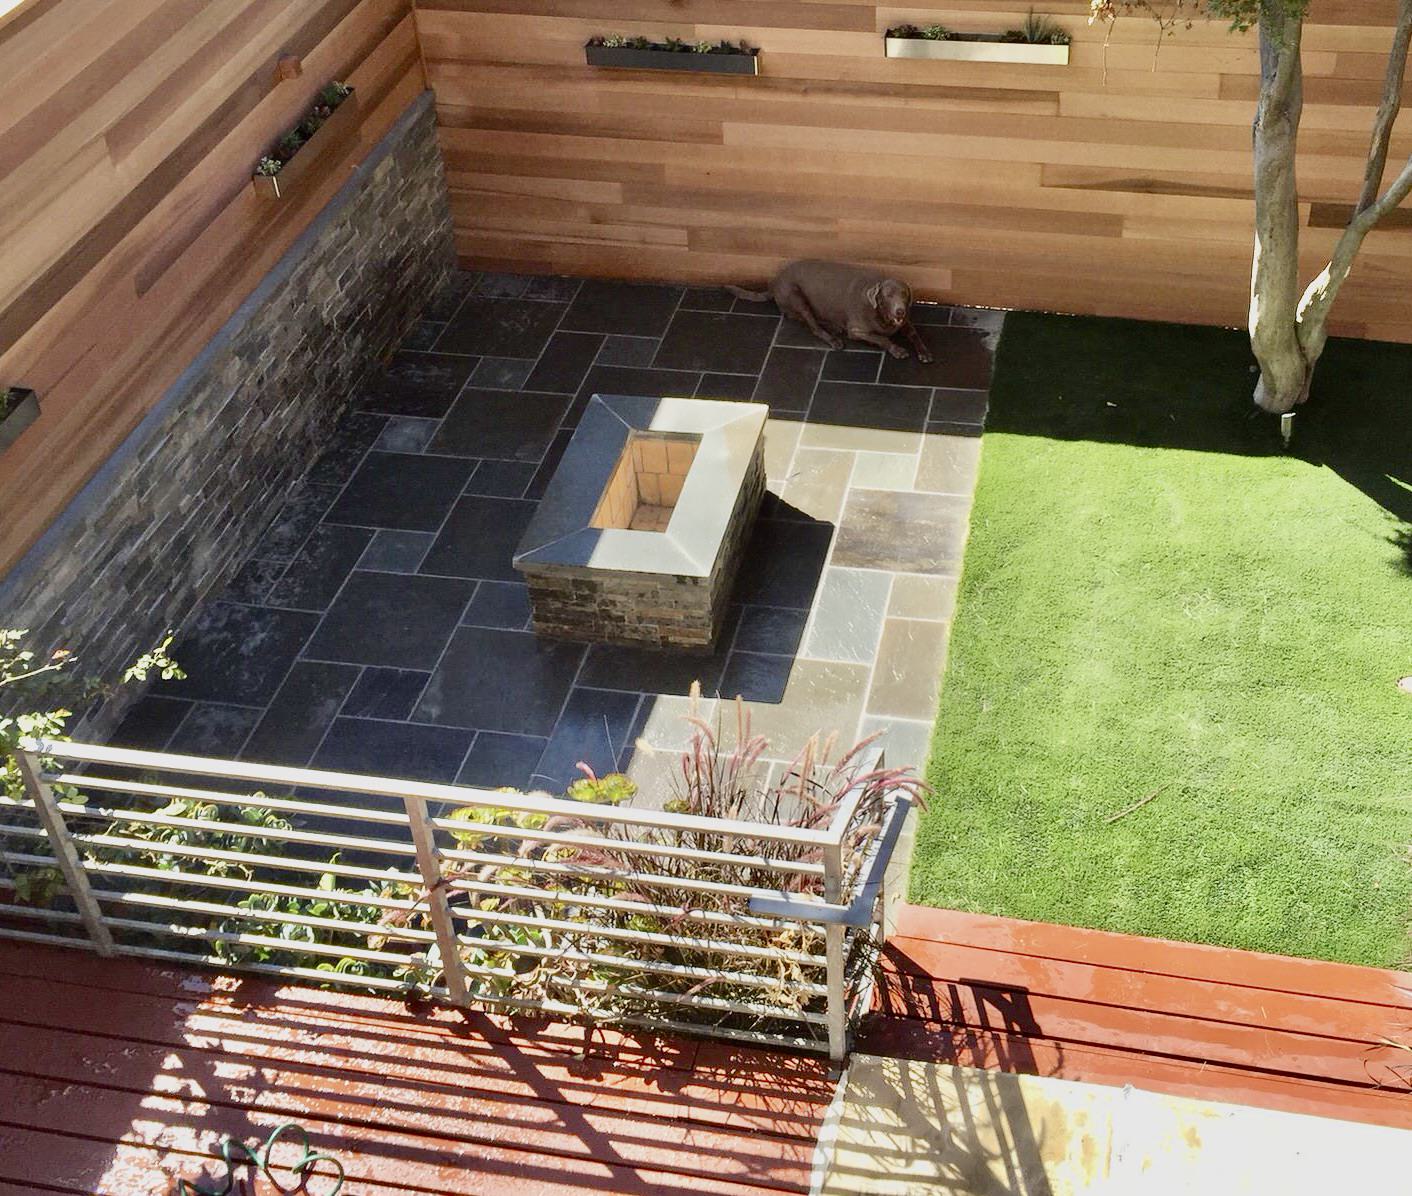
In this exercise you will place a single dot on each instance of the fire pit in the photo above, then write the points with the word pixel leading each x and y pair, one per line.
pixel 639 536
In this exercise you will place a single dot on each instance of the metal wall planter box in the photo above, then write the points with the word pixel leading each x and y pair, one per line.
pixel 328 139
pixel 978 48
pixel 633 59
pixel 23 413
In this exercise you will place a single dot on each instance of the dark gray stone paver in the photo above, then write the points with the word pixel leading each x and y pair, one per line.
pixel 499 604
pixel 379 625
pixel 214 729
pixel 622 308
pixel 393 551
pixel 495 680
pixel 398 750
pixel 315 576
pixel 594 728
pixel 404 491
pixel 386 693
pixel 416 384
pixel 239 654
pixel 720 341
pixel 391 620
pixel 564 362
pixel 496 760
pixel 500 423
pixel 486 326
pixel 788 379
pixel 301 713
pixel 479 538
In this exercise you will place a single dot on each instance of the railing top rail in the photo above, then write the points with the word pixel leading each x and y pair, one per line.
pixel 388 787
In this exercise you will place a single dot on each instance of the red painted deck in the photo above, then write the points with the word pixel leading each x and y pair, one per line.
pixel 119 1076
pixel 1307 1037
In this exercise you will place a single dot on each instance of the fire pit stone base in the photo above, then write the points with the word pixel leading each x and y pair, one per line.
pixel 642 530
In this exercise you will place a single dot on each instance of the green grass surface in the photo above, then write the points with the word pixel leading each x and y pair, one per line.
pixel 1157 597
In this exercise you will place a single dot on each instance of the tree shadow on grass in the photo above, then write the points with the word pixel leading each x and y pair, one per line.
pixel 1177 386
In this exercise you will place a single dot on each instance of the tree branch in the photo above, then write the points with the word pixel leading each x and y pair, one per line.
pixel 1321 293
pixel 1388 107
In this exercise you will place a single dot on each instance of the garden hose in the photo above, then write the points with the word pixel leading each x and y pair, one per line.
pixel 235 1154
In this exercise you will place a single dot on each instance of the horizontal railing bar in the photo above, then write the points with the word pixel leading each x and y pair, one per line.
pixel 716 1004
pixel 755 1037
pixel 368 929
pixel 38 936
pixel 628 964
pixel 180 822
pixel 289 863
pixel 720 947
pixel 284 971
pixel 390 847
pixel 333 951
pixel 244 886
pixel 25 857
pixel 386 787
pixel 81 780
pixel 37 912
pixel 597 872
pixel 858 912
pixel 665 850
pixel 569 897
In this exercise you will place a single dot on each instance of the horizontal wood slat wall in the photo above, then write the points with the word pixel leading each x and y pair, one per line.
pixel 1108 185
pixel 129 233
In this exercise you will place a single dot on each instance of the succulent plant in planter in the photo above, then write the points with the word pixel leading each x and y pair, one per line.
pixel 1040 39
pixel 271 175
pixel 1038 30
pixel 672 54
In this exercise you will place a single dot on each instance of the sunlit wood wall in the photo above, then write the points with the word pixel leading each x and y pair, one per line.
pixel 1118 184
pixel 128 230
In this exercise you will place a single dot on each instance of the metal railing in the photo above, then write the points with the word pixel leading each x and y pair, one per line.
pixel 752 930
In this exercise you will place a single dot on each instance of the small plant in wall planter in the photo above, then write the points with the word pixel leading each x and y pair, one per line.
pixel 19 408
pixel 673 54
pixel 325 128
pixel 1040 39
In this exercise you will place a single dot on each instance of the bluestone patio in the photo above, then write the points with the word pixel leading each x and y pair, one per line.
pixel 379 626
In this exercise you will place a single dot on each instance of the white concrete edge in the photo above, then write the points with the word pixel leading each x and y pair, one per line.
pixel 827 1140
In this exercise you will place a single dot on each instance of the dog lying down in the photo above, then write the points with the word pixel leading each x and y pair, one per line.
pixel 839 302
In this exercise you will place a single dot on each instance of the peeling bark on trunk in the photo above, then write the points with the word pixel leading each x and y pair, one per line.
pixel 1288 331
pixel 1274 281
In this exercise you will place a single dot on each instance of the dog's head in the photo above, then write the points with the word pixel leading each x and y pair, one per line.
pixel 890 299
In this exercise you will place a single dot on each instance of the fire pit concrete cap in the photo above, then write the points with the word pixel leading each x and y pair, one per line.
pixel 559 535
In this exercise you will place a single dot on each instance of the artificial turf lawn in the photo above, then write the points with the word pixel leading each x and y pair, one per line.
pixel 1157 597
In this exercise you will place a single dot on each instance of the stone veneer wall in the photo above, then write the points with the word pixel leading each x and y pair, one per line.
pixel 174 511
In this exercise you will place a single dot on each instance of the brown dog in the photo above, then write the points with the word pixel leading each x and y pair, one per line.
pixel 836 301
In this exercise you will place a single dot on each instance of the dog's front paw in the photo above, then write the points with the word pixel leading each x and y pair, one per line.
pixel 897 351
pixel 925 358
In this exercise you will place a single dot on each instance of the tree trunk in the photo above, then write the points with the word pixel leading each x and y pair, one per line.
pixel 1274 284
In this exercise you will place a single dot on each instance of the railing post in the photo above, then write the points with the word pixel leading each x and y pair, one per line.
pixel 833 954
pixel 65 853
pixel 429 864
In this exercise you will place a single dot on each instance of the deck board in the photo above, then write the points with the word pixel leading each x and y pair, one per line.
pixel 1186 1019
pixel 121 1075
